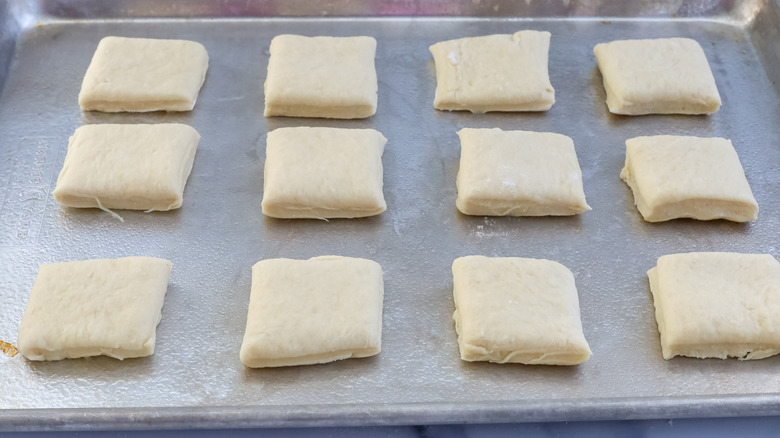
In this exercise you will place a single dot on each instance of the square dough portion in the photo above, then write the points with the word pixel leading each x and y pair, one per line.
pixel 687 177
pixel 319 310
pixel 518 173
pixel 134 167
pixel 657 76
pixel 142 74
pixel 717 304
pixel 330 77
pixel 494 73
pixel 510 309
pixel 97 307
pixel 323 173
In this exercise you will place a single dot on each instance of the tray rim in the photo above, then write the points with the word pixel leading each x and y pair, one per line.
pixel 379 414
pixel 30 14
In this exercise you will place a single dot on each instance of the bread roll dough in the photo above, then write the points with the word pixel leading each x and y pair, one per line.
pixel 94 307
pixel 518 173
pixel 323 173
pixel 657 76
pixel 677 176
pixel 494 73
pixel 142 74
pixel 511 309
pixel 313 311
pixel 135 167
pixel 331 77
pixel 717 304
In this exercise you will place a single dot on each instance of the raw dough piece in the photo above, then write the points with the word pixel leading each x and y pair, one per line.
pixel 494 73
pixel 141 74
pixel 323 173
pixel 518 173
pixel 660 76
pixel 717 304
pixel 677 176
pixel 312 311
pixel 94 307
pixel 135 167
pixel 517 310
pixel 326 77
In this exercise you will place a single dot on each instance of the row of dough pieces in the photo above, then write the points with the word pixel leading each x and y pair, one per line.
pixel 335 77
pixel 328 308
pixel 332 173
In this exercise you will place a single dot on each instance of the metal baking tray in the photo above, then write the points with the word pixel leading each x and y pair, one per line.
pixel 195 378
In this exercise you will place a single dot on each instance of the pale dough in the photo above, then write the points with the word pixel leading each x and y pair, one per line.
pixel 687 177
pixel 313 311
pixel 494 73
pixel 142 74
pixel 518 173
pixel 521 310
pixel 717 304
pixel 94 307
pixel 330 77
pixel 136 167
pixel 657 76
pixel 323 173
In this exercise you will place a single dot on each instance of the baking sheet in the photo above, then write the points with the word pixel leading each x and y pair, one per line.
pixel 195 378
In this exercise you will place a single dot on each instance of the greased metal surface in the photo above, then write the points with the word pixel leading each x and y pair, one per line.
pixel 195 377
